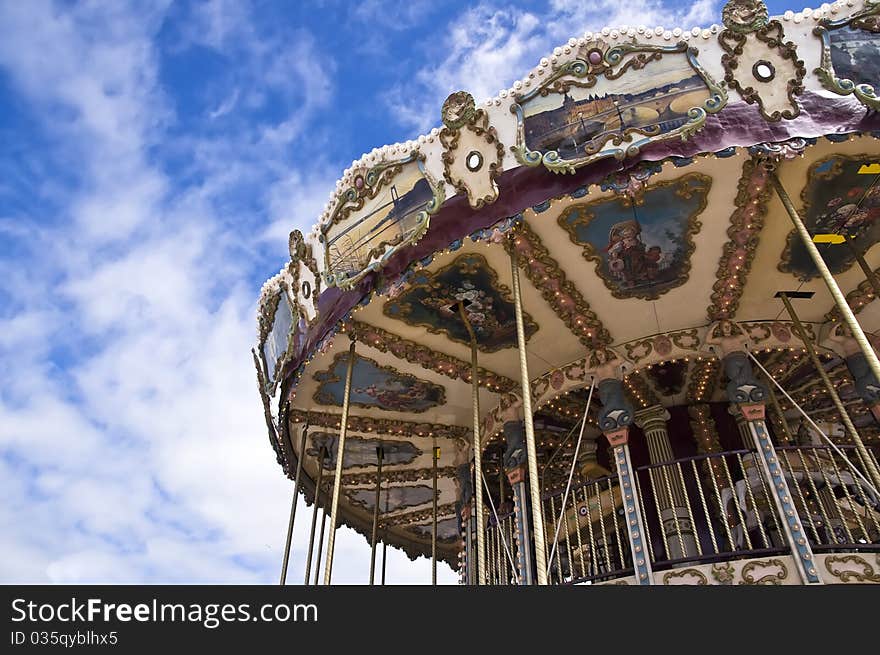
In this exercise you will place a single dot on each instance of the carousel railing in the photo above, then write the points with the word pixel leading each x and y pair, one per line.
pixel 702 509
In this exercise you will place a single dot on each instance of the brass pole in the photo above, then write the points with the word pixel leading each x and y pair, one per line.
pixel 860 258
pixel 320 547
pixel 315 514
pixel 293 503
pixel 532 453
pixel 829 387
pixel 435 455
pixel 337 480
pixel 379 454
pixel 478 448
pixel 846 312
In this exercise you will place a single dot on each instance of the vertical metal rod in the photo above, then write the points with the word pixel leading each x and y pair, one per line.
pixel 435 455
pixel 321 454
pixel 385 540
pixel 829 386
pixel 478 448
pixel 845 311
pixel 379 457
pixel 531 449
pixel 320 546
pixel 293 503
pixel 340 454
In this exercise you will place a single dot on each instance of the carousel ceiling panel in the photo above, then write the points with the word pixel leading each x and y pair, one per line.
pixel 780 263
pixel 654 237
pixel 425 311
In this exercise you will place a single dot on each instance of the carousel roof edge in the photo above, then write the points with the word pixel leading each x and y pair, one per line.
pixel 563 53
pixel 329 301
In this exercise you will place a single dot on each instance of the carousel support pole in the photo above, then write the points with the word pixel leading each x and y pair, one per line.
pixel 842 305
pixel 531 450
pixel 321 454
pixel 749 394
pixel 320 547
pixel 385 540
pixel 478 448
pixel 379 457
pixel 434 456
pixel 337 479
pixel 293 503
pixel 832 391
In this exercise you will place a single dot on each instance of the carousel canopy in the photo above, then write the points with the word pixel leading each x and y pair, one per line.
pixel 629 172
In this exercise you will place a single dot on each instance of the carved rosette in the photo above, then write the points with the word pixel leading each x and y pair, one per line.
pixel 472 153
pixel 758 62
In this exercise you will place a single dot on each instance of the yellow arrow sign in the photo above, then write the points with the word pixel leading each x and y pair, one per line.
pixel 828 238
pixel 870 169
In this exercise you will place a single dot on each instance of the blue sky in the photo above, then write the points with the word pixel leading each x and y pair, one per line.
pixel 155 156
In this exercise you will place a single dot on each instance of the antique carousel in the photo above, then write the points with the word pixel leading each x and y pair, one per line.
pixel 613 326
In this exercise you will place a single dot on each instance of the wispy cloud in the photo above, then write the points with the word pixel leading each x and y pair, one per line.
pixel 491 44
pixel 132 444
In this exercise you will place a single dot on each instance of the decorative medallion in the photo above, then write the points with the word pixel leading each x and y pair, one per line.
pixel 587 110
pixel 391 498
pixel 723 572
pixel 764 572
pixel 685 576
pixel 472 153
pixel 387 208
pixel 642 245
pixel 851 568
pixel 758 63
pixel 836 199
pixel 305 285
pixel 432 301
pixel 850 63
pixel 374 385
pixel 361 452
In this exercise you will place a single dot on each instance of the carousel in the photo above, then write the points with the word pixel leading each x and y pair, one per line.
pixel 615 325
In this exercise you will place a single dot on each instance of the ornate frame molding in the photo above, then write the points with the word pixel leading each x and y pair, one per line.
pixel 459 114
pixel 866 20
pixel 366 186
pixel 739 29
pixel 391 427
pixel 597 58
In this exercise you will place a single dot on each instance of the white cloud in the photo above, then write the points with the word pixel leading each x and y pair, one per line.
pixel 132 442
pixel 490 45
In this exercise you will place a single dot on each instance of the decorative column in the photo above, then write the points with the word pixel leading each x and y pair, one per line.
pixel 678 531
pixel 749 395
pixel 614 421
pixel 516 469
pixel 742 426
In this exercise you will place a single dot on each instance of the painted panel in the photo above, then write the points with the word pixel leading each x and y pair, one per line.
pixel 432 301
pixel 374 385
pixel 642 246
